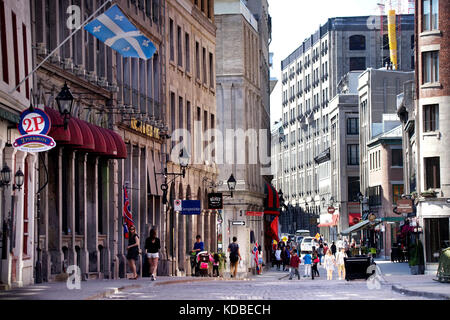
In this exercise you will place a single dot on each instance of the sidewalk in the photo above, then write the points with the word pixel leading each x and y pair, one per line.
pixel 398 275
pixel 90 290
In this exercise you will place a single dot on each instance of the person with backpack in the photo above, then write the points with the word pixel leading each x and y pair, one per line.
pixel 235 256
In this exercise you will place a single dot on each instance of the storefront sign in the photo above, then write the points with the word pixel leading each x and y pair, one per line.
pixel 144 128
pixel 215 201
pixel 404 206
pixel 34 125
pixel 191 207
pixel 254 214
pixel 34 143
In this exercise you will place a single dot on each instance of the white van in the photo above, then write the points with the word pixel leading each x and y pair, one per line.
pixel 308 243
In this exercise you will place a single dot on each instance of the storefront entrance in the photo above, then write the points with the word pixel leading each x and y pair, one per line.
pixel 437 237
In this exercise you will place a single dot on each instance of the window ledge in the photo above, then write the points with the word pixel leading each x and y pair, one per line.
pixel 431 85
pixel 180 68
pixel 431 33
pixel 432 134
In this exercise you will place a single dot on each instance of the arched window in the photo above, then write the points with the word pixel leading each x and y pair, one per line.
pixel 357 42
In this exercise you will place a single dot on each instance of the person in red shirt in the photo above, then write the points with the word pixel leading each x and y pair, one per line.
pixel 295 263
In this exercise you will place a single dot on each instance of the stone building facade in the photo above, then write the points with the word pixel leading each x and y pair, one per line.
pixel 243 89
pixel 17 214
pixel 432 128
pixel 112 142
pixel 310 76
pixel 190 60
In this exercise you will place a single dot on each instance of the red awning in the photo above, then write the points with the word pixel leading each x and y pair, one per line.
pixel 333 223
pixel 271 201
pixel 120 145
pixel 57 132
pixel 100 143
pixel 84 136
pixel 88 137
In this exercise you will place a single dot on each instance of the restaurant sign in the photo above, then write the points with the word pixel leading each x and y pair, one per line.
pixel 144 128
pixel 34 125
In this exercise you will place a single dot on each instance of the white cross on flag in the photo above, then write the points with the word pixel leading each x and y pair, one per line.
pixel 116 31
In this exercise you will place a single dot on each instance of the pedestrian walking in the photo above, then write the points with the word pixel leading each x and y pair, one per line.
pixel 285 257
pixel 325 248
pixel 152 245
pixel 307 262
pixel 315 261
pixel 294 265
pixel 235 256
pixel 329 263
pixel 320 253
pixel 341 263
pixel 333 249
pixel 133 251
pixel 260 259
pixel 278 257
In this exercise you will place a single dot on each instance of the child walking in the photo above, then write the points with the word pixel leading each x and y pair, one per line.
pixel 294 264
pixel 215 261
pixel 307 262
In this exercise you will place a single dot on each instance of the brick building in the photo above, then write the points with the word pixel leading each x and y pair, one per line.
pixel 432 126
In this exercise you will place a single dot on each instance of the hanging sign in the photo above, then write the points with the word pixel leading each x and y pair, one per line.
pixel 34 126
pixel 190 207
pixel 215 201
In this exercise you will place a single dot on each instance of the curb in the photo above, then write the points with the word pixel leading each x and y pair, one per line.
pixel 112 291
pixel 424 294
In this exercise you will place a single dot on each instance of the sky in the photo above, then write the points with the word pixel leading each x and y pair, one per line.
pixel 295 20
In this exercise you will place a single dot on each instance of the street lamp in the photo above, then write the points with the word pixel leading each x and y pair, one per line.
pixel 5 176
pixel 184 161
pixel 65 104
pixel 231 184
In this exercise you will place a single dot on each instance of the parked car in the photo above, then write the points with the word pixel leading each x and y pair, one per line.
pixel 308 243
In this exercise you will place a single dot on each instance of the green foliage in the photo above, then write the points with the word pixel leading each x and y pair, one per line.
pixel 222 260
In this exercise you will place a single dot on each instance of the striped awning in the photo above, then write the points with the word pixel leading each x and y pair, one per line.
pixel 271 200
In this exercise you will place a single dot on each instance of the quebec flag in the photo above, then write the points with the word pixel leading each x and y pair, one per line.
pixel 117 32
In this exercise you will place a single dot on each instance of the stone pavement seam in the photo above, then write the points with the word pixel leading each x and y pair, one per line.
pixel 112 291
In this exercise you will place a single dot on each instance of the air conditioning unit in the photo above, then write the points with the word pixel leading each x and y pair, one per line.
pixel 68 64
pixel 79 70
pixel 42 49
pixel 103 82
pixel 56 59
pixel 91 76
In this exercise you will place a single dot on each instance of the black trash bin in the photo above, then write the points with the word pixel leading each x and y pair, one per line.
pixel 357 267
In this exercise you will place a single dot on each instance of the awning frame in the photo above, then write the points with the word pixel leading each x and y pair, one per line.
pixel 360 226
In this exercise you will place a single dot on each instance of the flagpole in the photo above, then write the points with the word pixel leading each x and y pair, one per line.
pixel 60 45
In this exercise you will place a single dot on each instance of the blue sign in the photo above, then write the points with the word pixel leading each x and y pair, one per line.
pixel 191 207
pixel 34 143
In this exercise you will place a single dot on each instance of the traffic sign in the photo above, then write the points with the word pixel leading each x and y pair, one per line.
pixel 331 210
pixel 238 223
pixel 177 205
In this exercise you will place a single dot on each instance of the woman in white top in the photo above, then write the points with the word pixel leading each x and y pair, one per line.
pixel 278 257
pixel 329 264
pixel 341 263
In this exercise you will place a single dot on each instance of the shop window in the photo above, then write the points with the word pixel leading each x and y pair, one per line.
pixel 436 237
pixel 431 118
pixel 374 194
pixel 432 173
pixel 358 42
pixel 397 158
